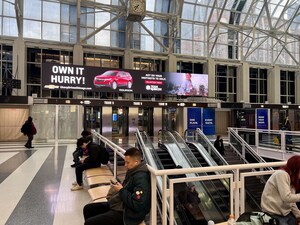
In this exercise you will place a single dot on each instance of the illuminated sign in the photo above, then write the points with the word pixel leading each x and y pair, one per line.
pixel 83 78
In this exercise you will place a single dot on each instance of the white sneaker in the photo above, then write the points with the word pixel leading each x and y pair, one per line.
pixel 76 187
pixel 74 183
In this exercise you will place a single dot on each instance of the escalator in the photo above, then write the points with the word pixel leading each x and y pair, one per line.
pixel 237 152
pixel 159 158
pixel 214 204
pixel 207 209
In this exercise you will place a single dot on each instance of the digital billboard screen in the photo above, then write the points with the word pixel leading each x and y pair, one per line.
pixel 72 77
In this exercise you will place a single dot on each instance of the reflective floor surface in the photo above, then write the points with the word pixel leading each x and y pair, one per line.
pixel 35 185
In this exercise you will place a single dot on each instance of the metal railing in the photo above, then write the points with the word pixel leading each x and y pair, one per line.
pixel 237 182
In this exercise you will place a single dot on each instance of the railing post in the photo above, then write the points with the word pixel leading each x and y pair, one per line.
pixel 256 139
pixel 282 141
pixel 164 199
pixel 153 212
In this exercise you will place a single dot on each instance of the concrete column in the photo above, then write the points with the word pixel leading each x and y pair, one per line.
pixel 210 69
pixel 77 60
pixel 78 55
pixel 274 85
pixel 243 83
pixel 128 59
pixel 171 65
pixel 19 65
pixel 297 87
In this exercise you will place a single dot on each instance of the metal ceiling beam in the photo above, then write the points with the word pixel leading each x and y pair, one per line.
pixel 101 28
pixel 153 36
pixel 19 17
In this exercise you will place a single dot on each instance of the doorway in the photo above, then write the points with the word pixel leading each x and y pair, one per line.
pixel 169 119
pixel 119 121
pixel 93 118
pixel 145 121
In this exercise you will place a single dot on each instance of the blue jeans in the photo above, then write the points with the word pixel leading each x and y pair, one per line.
pixel 289 219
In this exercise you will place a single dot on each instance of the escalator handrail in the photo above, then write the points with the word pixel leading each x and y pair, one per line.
pixel 248 148
pixel 212 147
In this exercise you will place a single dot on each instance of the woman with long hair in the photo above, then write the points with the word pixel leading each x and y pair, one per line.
pixel 279 196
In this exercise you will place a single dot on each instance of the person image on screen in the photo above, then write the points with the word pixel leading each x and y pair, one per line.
pixel 187 86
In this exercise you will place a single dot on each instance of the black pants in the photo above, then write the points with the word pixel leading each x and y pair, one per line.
pixel 80 168
pixel 101 214
pixel 29 141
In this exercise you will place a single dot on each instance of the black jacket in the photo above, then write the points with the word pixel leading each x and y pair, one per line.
pixel 93 154
pixel 135 195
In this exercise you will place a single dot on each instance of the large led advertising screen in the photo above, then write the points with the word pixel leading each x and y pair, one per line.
pixel 72 77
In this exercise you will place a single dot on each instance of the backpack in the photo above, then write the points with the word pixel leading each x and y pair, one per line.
pixel 33 129
pixel 256 218
pixel 24 128
pixel 104 155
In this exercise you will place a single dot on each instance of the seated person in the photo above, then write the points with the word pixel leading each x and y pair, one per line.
pixel 93 160
pixel 129 202
pixel 79 152
pixel 279 196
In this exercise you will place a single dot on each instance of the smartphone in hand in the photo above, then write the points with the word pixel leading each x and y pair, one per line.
pixel 113 182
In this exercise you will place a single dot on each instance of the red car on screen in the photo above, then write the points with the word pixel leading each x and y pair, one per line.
pixel 113 79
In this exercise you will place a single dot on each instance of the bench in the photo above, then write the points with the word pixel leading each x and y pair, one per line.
pixel 99 193
pixel 97 180
pixel 99 171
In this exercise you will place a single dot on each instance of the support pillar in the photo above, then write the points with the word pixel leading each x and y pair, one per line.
pixel 274 85
pixel 210 69
pixel 243 83
pixel 19 64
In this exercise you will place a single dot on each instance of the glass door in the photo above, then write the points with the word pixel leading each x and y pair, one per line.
pixel 93 118
pixel 145 122
pixel 120 121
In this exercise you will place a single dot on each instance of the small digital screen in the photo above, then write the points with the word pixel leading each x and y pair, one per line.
pixel 115 117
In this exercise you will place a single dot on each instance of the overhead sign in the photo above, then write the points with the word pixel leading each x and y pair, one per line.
pixel 72 77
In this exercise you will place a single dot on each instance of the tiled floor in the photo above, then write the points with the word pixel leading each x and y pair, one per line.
pixel 35 185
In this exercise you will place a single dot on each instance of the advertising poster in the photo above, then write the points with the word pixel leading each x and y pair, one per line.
pixel 194 118
pixel 262 119
pixel 186 84
pixel 209 125
pixel 72 77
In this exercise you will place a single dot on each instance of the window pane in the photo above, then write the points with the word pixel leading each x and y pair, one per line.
pixel 51 31
pixel 188 11
pixel 33 73
pixel 65 33
pixel 51 11
pixel 65 14
pixel 10 27
pixel 32 29
pixel 9 8
pixel 102 38
pixel 32 9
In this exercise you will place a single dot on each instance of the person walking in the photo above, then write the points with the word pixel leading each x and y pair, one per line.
pixel 28 129
pixel 219 145
pixel 129 202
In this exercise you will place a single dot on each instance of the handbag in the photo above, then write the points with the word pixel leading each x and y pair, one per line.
pixel 256 218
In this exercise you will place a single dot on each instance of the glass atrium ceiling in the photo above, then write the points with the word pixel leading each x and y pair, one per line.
pixel 265 31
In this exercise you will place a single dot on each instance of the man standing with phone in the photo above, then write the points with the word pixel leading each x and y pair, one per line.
pixel 129 202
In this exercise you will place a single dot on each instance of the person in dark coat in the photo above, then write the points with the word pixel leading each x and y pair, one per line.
pixel 129 202
pixel 28 129
pixel 80 152
pixel 219 145
pixel 92 160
